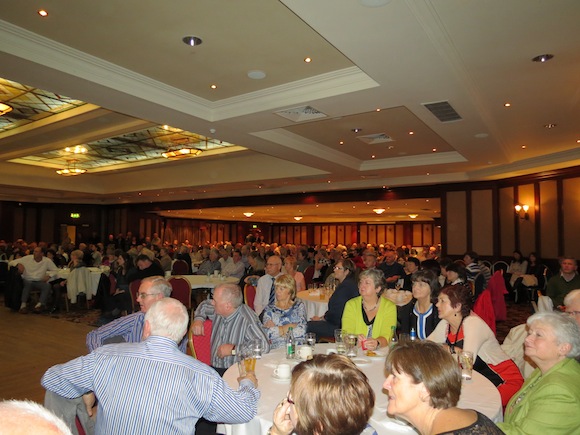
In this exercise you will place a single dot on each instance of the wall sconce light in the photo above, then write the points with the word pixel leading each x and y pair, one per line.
pixel 522 211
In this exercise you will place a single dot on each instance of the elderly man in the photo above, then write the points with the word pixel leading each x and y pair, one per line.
pixel 563 283
pixel 34 270
pixel 234 323
pixel 26 417
pixel 369 259
pixel 210 265
pixel 572 304
pixel 265 293
pixel 235 268
pixel 391 268
pixel 169 391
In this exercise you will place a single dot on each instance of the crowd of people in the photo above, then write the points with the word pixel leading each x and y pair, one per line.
pixel 423 379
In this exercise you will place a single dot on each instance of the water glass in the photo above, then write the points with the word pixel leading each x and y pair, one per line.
pixel 339 335
pixel 351 345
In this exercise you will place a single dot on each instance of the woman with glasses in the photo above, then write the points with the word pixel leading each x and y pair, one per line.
pixel 344 273
pixel 328 395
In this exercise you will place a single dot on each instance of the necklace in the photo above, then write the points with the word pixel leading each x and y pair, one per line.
pixel 370 309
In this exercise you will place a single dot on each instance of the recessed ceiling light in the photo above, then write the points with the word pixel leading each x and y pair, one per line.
pixel 413 216
pixel 341 142
pixel 213 86
pixel 256 74
pixel 542 58
pixel 297 218
pixel 192 41
pixel 507 104
pixel 578 141
pixel 42 13
pixel 356 130
pixel 378 110
pixel 481 135
pixel 523 147
pixel 307 59
pixel 248 214
pixel 379 210
pixel 372 157
pixel 550 125
pixel 411 132
pixel 434 149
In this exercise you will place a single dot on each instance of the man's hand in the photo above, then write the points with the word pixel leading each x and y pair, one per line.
pixel 20 268
pixel 89 400
pixel 251 376
pixel 316 318
pixel 197 327
pixel 225 350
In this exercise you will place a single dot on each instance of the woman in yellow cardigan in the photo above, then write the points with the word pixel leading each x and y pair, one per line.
pixel 369 315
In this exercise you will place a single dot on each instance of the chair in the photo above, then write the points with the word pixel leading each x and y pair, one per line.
pixel 181 290
pixel 484 309
pixel 113 284
pixel 200 345
pixel 498 291
pixel 500 265
pixel 308 275
pixel 179 267
pixel 134 290
pixel 487 263
pixel 249 295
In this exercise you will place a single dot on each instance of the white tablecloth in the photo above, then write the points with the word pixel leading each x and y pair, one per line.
pixel 479 394
pixel 201 281
pixel 95 276
pixel 314 305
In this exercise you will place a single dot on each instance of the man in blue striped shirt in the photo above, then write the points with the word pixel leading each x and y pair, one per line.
pixel 234 323
pixel 169 391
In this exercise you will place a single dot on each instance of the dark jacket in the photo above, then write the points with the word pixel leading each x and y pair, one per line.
pixel 344 292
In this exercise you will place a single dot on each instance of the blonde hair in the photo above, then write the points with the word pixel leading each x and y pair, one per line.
pixel 286 282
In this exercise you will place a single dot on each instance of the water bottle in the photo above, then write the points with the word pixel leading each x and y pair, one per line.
pixel 413 334
pixel 290 344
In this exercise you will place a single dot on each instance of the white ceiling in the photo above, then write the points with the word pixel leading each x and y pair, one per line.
pixel 128 61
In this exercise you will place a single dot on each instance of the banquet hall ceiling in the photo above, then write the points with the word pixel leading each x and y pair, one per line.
pixel 355 117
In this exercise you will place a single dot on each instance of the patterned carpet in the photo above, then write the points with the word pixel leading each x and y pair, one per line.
pixel 516 315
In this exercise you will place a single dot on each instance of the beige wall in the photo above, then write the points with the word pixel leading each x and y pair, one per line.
pixel 456 228
pixel 571 215
pixel 482 222
pixel 527 227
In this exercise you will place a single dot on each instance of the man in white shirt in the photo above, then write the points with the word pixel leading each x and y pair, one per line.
pixel 34 270
pixel 265 289
pixel 235 268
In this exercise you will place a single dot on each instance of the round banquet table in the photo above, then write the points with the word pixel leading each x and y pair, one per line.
pixel 478 393
pixel 314 305
pixel 95 276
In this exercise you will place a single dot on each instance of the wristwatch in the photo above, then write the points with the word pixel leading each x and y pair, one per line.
pixel 234 350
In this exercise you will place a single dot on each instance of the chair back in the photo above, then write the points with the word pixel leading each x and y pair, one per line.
pixel 112 283
pixel 200 345
pixel 179 267
pixel 484 309
pixel 250 295
pixel 308 275
pixel 500 265
pixel 181 290
pixel 478 285
pixel 134 289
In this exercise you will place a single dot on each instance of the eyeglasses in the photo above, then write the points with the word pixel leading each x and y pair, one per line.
pixel 338 268
pixel 144 295
pixel 290 401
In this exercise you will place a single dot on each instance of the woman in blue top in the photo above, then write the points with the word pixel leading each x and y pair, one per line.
pixel 286 312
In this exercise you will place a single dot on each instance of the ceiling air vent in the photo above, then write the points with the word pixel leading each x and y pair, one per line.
pixel 298 114
pixel 372 139
pixel 443 111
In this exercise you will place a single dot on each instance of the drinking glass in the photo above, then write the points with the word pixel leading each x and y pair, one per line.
pixel 466 364
pixel 339 335
pixel 257 347
pixel 351 347
pixel 311 339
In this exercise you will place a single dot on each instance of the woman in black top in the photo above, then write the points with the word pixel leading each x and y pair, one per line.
pixel 421 313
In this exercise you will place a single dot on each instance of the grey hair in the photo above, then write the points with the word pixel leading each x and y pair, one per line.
pixel 564 327
pixel 231 293
pixel 168 318
pixel 159 285
pixel 574 294
pixel 376 275
pixel 13 414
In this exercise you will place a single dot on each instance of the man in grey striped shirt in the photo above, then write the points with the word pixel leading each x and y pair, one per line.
pixel 234 323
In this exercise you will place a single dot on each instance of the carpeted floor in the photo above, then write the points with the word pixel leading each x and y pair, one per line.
pixel 516 315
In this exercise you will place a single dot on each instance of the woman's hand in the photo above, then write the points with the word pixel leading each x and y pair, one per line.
pixel 269 323
pixel 282 425
pixel 370 343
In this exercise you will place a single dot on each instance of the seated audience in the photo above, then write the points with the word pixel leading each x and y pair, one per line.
pixel 369 315
pixel 165 260
pixel 34 268
pixel 421 313
pixel 172 390
pixel 567 280
pixel 119 300
pixel 328 395
pixel 461 329
pixel 456 274
pixel 145 267
pixel 473 266
pixel 234 323
pixel 234 268
pixel 79 280
pixel 412 265
pixel 211 264
pixel 254 271
pixel 286 312
pixel 517 268
pixel 424 385
pixel 265 294
pixel 344 273
pixel 549 401
pixel 391 269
